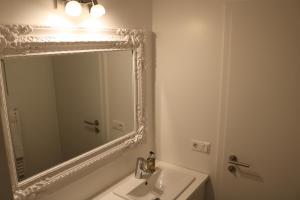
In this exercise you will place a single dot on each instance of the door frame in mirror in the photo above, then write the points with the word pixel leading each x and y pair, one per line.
pixel 20 40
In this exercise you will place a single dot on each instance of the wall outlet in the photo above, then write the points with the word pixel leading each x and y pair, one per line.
pixel 118 125
pixel 200 146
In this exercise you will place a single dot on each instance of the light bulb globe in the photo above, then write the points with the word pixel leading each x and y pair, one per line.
pixel 73 8
pixel 97 11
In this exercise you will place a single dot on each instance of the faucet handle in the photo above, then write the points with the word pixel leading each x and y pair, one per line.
pixel 140 167
pixel 140 162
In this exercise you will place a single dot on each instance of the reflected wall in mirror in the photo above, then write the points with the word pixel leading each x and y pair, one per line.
pixel 60 106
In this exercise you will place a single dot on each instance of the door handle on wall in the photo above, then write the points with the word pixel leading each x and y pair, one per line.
pixel 95 123
pixel 234 161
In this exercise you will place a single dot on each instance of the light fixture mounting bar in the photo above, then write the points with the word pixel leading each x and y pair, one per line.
pixel 88 1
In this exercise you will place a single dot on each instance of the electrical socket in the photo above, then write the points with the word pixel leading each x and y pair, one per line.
pixel 118 125
pixel 200 146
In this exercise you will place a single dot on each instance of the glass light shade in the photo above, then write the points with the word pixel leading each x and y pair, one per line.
pixel 97 10
pixel 73 8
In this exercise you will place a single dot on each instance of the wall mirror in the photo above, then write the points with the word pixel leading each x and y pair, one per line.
pixel 69 99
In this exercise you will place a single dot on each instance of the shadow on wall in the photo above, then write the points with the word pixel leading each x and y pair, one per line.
pixel 250 174
pixel 209 190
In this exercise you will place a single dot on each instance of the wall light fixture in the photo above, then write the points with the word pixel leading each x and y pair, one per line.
pixel 74 7
pixel 97 10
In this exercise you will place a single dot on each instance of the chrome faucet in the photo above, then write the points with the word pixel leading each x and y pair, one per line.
pixel 145 167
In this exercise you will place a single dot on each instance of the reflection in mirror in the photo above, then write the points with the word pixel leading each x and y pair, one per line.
pixel 61 106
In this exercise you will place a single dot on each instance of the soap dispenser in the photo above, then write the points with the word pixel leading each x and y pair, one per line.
pixel 151 162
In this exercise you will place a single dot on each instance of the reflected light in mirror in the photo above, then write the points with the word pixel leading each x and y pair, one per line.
pixel 73 8
pixel 92 24
pixel 57 21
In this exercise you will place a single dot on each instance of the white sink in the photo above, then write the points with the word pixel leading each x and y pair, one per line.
pixel 169 182
pixel 165 184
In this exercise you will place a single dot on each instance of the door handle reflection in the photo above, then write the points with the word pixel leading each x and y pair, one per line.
pixel 95 123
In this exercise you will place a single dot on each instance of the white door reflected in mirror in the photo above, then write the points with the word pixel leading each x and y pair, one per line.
pixel 61 106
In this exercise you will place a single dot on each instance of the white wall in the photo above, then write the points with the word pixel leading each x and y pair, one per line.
pixel 120 13
pixel 31 90
pixel 188 71
pixel 263 84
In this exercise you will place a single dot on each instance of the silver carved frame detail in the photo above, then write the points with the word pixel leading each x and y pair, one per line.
pixel 34 40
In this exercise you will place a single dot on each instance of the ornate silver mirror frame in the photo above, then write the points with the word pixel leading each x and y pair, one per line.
pixel 33 40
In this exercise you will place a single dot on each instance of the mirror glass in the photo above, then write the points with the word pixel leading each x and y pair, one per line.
pixel 60 106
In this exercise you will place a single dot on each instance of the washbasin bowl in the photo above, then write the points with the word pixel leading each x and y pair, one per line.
pixel 165 184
